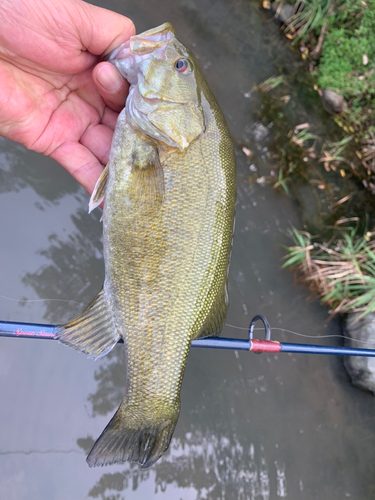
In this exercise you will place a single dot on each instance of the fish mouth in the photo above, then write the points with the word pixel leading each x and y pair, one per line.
pixel 129 55
pixel 143 44
pixel 121 52
pixel 150 44
pixel 113 54
pixel 158 100
pixel 126 61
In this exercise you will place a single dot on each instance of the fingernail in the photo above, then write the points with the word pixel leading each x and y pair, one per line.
pixel 109 79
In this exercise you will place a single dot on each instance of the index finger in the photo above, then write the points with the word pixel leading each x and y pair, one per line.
pixel 102 30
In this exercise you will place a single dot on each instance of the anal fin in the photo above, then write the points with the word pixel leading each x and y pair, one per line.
pixel 92 332
pixel 216 319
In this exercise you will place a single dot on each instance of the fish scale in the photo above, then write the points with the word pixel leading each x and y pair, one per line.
pixel 168 219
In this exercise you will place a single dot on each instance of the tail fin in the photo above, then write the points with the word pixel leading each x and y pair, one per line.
pixel 121 442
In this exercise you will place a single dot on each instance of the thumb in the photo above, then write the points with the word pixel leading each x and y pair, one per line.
pixel 111 85
pixel 105 30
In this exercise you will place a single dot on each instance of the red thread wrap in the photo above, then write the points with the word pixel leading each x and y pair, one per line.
pixel 265 346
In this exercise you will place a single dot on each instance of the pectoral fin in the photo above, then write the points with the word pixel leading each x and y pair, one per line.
pixel 92 332
pixel 147 186
pixel 99 190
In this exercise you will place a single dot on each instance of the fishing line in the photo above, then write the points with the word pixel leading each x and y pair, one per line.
pixel 41 300
pixel 226 324
pixel 304 335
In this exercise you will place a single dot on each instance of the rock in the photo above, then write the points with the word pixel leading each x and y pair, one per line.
pixel 282 13
pixel 361 370
pixel 332 102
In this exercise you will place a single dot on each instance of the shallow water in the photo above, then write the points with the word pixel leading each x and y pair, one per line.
pixel 251 427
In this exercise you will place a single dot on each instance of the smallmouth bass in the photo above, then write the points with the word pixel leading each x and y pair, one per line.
pixel 170 190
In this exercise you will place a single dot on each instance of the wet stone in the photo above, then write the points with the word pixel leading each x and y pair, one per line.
pixel 361 369
pixel 282 13
pixel 333 102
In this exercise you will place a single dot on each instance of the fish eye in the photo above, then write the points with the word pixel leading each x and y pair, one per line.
pixel 182 65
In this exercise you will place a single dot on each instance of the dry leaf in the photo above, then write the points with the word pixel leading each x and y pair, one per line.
pixel 301 126
pixel 285 98
pixel 247 152
pixel 343 200
pixel 343 220
pixel 262 180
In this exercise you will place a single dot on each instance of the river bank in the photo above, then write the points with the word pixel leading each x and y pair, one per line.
pixel 334 258
pixel 336 39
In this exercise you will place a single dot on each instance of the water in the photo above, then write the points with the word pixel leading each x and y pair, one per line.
pixel 257 427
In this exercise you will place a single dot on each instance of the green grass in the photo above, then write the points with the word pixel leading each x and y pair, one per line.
pixel 332 153
pixel 348 39
pixel 310 16
pixel 341 272
pixel 347 29
pixel 284 179
pixel 270 83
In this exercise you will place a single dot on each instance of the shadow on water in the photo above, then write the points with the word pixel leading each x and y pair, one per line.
pixel 319 192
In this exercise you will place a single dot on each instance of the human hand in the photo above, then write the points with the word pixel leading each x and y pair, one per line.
pixel 54 98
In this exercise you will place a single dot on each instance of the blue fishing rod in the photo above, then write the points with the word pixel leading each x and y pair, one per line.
pixel 39 331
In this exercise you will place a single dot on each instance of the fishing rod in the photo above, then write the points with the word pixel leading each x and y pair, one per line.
pixel 40 331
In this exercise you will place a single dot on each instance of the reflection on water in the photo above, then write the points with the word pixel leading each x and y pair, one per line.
pixel 202 459
pixel 17 173
pixel 79 259
pixel 110 379
pixel 211 467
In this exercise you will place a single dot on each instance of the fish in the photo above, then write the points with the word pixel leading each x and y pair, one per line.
pixel 168 218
